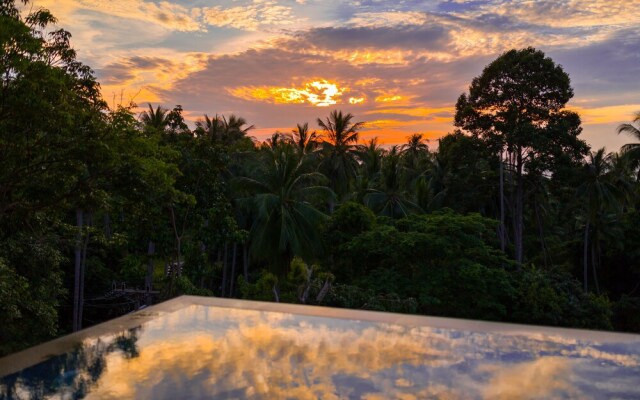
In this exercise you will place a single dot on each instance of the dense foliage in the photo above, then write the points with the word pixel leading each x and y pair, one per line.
pixel 511 218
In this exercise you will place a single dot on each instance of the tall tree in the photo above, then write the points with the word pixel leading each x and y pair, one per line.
pixel 51 147
pixel 600 197
pixel 155 120
pixel 210 127
pixel 304 140
pixel 234 128
pixel 632 149
pixel 339 162
pixel 391 198
pixel 517 107
pixel 280 190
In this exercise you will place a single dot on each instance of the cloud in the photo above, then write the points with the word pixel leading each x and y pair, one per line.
pixel 605 115
pixel 387 19
pixel 258 14
pixel 166 14
pixel 258 56
pixel 142 78
pixel 321 93
pixel 569 13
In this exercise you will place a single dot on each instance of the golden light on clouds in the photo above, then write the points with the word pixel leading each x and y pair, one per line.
pixel 320 93
pixel 373 56
pixel 444 114
pixel 386 99
pixel 606 115
pixel 398 60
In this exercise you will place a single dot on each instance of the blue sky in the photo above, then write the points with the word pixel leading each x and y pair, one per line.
pixel 399 66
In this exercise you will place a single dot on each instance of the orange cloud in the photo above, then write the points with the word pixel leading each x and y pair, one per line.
pixel 321 93
pixel 606 115
pixel 418 112
pixel 142 78
pixel 165 14
pixel 250 17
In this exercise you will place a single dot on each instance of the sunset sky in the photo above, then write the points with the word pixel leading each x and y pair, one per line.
pixel 398 65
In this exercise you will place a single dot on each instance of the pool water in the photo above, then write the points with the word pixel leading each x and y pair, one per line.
pixel 211 348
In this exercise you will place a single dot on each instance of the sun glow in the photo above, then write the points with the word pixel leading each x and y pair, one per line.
pixel 320 93
pixel 356 100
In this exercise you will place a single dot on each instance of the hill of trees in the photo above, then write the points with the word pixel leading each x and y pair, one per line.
pixel 512 217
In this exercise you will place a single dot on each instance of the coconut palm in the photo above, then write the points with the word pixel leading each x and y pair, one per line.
pixel 391 200
pixel 600 197
pixel 304 140
pixel 632 150
pixel 279 192
pixel 370 157
pixel 155 119
pixel 276 140
pixel 415 159
pixel 339 162
pixel 210 127
pixel 415 149
pixel 235 128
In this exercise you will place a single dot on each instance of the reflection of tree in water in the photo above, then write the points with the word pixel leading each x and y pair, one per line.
pixel 72 373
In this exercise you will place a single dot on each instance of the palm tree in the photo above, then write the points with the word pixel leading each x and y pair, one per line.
pixel 601 197
pixel 339 163
pixel 415 148
pixel 210 127
pixel 305 142
pixel 156 120
pixel 431 185
pixel 632 150
pixel 414 158
pixel 370 157
pixel 391 200
pixel 279 192
pixel 277 139
pixel 234 128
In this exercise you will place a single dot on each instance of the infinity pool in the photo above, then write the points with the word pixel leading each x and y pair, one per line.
pixel 192 347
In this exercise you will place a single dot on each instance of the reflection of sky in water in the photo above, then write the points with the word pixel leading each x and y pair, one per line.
pixel 204 351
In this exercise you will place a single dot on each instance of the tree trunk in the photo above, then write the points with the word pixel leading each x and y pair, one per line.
pixel 148 284
pixel 585 256
pixel 178 238
pixel 519 210
pixel 107 226
pixel 541 234
pixel 323 291
pixel 77 268
pixel 83 270
pixel 178 270
pixel 224 270
pixel 245 261
pixel 593 264
pixel 233 268
pixel 502 227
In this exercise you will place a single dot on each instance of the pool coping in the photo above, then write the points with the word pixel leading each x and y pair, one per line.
pixel 34 355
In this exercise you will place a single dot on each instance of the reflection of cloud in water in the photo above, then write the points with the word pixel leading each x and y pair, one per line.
pixel 263 361
pixel 253 354
pixel 204 352
pixel 546 377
